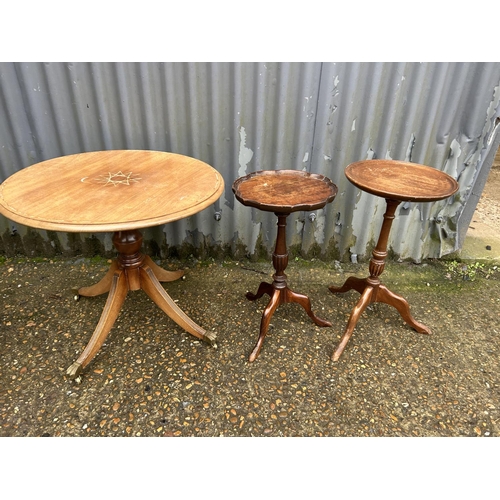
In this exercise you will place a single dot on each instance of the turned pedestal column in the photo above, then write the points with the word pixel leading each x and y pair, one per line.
pixel 278 290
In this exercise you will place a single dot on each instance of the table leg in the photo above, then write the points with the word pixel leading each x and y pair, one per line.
pixel 103 286
pixel 263 288
pixel 117 293
pixel 264 324
pixel 364 301
pixel 162 274
pixel 278 291
pixel 305 302
pixel 132 270
pixel 402 306
pixel 153 288
pixel 371 289
pixel 352 283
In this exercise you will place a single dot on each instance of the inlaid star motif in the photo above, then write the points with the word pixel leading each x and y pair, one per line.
pixel 118 178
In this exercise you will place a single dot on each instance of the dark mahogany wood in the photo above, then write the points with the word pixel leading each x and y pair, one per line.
pixel 282 192
pixel 395 181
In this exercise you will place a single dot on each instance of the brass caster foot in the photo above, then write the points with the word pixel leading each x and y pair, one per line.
pixel 74 371
pixel 211 338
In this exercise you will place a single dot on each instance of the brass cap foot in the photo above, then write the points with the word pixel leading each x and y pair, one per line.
pixel 74 370
pixel 211 338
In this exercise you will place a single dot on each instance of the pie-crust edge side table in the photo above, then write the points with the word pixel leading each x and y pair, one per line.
pixel 396 181
pixel 282 192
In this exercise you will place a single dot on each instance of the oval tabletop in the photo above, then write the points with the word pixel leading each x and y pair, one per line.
pixel 284 191
pixel 109 191
pixel 403 181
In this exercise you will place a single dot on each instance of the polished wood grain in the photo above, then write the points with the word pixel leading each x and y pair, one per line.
pixel 120 191
pixel 399 180
pixel 282 192
pixel 396 182
pixel 106 191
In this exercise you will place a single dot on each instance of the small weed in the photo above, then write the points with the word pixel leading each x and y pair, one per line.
pixel 469 271
pixel 38 260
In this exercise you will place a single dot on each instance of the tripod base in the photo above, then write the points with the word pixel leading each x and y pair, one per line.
pixel 370 293
pixel 279 295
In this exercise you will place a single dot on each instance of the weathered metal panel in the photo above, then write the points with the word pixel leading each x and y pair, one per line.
pixel 242 117
pixel 437 114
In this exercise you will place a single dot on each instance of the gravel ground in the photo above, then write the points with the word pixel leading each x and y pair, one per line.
pixel 152 379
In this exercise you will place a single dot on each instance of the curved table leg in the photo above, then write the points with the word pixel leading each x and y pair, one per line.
pixel 305 302
pixel 132 270
pixel 278 290
pixel 117 293
pixel 401 304
pixel 351 283
pixel 279 296
pixel 365 299
pixel 263 288
pixel 160 273
pixel 153 288
pixel 371 289
pixel 371 294
pixel 264 323
pixel 102 286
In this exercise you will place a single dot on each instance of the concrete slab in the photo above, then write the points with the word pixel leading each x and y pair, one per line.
pixel 483 237
pixel 482 242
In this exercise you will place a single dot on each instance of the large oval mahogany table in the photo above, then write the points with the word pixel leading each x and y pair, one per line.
pixel 396 181
pixel 121 192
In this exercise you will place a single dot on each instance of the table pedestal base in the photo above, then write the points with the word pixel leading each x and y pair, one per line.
pixel 371 289
pixel 132 270
pixel 278 289
pixel 371 293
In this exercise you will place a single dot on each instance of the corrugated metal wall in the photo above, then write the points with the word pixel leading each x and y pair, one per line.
pixel 242 117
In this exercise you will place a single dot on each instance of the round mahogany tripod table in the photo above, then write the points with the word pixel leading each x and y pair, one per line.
pixel 120 191
pixel 282 192
pixel 396 181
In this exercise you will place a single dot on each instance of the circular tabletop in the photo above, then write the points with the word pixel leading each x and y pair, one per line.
pixel 109 191
pixel 403 181
pixel 284 191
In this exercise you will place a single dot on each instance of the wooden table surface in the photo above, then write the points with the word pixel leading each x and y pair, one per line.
pixel 109 191
pixel 403 181
pixel 120 191
pixel 284 191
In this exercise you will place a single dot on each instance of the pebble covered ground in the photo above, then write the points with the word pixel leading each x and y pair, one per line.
pixel 153 379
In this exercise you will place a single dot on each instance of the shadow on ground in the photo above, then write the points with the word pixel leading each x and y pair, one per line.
pixel 153 379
